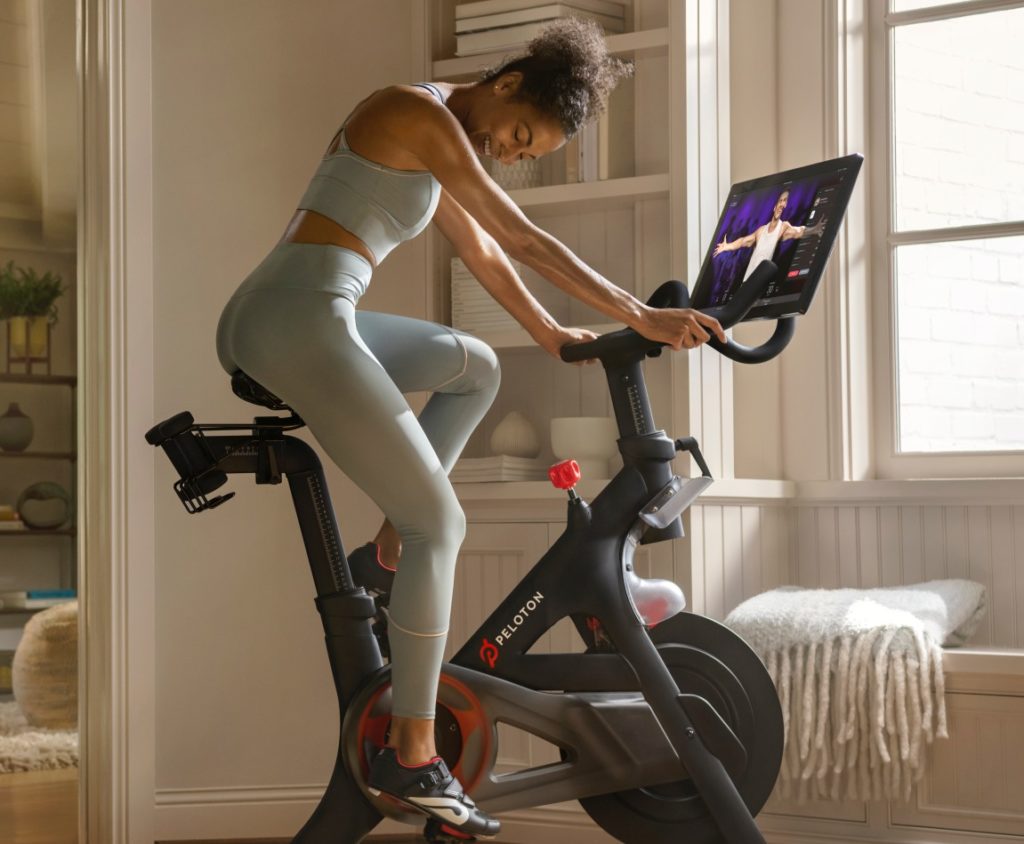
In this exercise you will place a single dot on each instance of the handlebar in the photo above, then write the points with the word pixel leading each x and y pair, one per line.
pixel 627 342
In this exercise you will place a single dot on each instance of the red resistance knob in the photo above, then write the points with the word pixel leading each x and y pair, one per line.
pixel 565 475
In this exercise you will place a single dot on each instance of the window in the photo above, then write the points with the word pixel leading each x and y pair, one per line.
pixel 949 159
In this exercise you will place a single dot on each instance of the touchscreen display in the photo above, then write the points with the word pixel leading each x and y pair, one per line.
pixel 790 219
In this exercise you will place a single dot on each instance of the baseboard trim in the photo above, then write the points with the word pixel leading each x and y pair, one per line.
pixel 272 812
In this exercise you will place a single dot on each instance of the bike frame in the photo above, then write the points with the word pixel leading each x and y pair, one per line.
pixel 605 696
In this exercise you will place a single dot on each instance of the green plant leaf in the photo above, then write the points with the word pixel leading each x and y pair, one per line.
pixel 23 292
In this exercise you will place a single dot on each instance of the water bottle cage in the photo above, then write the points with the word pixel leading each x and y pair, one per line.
pixel 194 499
pixel 190 453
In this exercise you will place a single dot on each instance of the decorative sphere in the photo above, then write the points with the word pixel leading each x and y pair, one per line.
pixel 44 505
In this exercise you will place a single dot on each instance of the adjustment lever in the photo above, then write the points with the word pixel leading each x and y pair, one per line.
pixel 270 437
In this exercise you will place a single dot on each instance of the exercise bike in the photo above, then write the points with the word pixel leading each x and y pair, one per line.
pixel 668 725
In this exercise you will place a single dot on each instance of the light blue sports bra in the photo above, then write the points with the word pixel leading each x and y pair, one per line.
pixel 380 205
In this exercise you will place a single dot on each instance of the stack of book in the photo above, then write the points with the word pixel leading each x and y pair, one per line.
pixel 35 599
pixel 473 308
pixel 9 518
pixel 6 676
pixel 501 467
pixel 496 25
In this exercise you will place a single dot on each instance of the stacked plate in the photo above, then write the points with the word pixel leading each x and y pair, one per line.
pixel 501 467
pixel 473 308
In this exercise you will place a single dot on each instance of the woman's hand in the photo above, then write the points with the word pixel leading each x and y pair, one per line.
pixel 680 328
pixel 724 246
pixel 553 341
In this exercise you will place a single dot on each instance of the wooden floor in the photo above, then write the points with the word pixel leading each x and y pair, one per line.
pixel 39 807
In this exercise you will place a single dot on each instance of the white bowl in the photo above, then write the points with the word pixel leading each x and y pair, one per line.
pixel 589 440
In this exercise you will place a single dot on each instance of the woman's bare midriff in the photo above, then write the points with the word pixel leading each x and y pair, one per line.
pixel 311 227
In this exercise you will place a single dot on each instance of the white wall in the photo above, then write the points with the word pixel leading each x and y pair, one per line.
pixel 246 96
pixel 753 94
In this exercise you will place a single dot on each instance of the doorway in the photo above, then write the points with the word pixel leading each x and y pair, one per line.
pixel 39 184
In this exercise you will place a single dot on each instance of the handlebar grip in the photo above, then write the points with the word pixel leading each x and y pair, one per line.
pixel 674 294
pixel 623 341
pixel 784 330
pixel 671 294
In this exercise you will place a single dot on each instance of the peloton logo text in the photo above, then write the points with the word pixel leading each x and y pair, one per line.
pixel 489 650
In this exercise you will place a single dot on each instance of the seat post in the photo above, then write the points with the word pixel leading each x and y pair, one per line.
pixel 346 611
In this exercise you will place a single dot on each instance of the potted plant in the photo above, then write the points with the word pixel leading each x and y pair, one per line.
pixel 27 304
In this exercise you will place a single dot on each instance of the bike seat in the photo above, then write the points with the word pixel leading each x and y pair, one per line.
pixel 250 390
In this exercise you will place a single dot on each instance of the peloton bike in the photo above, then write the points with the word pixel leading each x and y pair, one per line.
pixel 668 725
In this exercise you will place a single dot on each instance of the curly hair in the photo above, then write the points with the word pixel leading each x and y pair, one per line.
pixel 567 72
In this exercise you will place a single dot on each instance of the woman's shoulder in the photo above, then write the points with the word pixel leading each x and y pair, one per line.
pixel 402 115
pixel 409 94
pixel 396 106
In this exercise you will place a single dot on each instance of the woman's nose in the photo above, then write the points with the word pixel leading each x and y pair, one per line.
pixel 511 153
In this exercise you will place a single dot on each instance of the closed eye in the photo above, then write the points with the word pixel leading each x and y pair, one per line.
pixel 529 141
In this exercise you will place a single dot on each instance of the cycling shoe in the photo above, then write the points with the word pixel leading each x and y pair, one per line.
pixel 429 789
pixel 368 571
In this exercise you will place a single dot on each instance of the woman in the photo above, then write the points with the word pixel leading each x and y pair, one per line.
pixel 405 155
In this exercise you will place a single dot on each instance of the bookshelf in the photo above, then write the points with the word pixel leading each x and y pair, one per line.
pixel 68 568
pixel 601 195
pixel 619 226
pixel 626 44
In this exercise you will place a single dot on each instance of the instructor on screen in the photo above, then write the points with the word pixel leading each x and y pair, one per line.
pixel 765 238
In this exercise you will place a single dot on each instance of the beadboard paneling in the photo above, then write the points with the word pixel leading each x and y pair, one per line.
pixel 976 780
pixel 864 546
pixel 739 551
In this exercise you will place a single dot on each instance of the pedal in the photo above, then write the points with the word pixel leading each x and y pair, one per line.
pixel 438 833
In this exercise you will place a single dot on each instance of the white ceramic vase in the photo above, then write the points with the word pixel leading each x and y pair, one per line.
pixel 515 436
pixel 16 429
pixel 589 440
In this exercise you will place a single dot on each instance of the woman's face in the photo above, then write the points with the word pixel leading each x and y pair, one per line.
pixel 509 130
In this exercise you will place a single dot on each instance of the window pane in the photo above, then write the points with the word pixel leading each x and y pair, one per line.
pixel 958 121
pixel 960 324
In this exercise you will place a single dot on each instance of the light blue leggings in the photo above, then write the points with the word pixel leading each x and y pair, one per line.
pixel 293 326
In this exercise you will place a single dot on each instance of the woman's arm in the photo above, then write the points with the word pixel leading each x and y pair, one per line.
pixel 486 260
pixel 437 139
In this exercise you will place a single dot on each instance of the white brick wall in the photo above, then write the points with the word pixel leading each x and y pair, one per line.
pixel 959 126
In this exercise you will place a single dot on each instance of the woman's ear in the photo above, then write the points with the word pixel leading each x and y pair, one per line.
pixel 508 83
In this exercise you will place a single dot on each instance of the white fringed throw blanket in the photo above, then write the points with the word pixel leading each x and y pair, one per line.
pixel 859 676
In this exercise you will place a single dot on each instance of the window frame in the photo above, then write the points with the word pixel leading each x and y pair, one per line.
pixel 890 462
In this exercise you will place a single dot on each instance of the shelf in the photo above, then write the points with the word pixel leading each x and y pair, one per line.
pixel 518 338
pixel 21 610
pixel 524 490
pixel 722 491
pixel 600 195
pixel 41 455
pixel 626 42
pixel 67 380
pixel 68 531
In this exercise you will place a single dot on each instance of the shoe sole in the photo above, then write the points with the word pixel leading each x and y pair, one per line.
pixel 419 810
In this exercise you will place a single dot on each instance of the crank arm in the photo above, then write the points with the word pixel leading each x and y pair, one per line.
pixel 612 742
